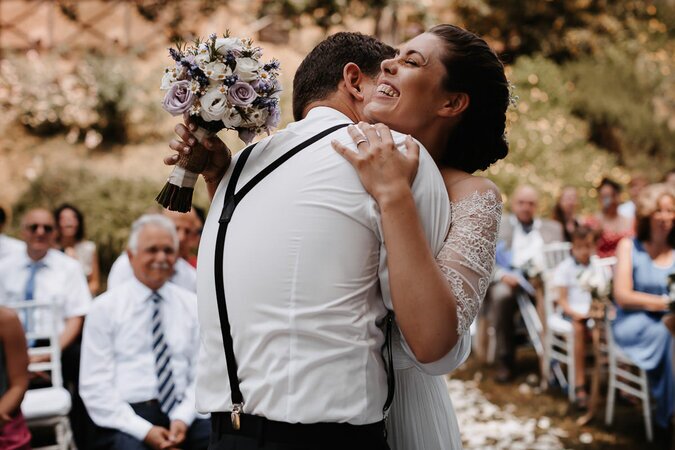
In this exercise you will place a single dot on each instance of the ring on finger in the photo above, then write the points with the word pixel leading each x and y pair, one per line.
pixel 361 141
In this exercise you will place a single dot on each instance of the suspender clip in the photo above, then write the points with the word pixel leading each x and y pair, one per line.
pixel 236 419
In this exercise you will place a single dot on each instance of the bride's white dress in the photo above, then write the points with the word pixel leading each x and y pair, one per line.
pixel 422 416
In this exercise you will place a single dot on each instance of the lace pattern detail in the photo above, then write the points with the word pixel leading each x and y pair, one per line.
pixel 468 254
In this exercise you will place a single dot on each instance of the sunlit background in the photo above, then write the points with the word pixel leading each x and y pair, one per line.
pixel 79 88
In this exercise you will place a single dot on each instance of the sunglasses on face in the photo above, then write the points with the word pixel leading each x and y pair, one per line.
pixel 33 227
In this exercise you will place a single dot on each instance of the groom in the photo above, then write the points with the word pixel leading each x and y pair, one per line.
pixel 303 270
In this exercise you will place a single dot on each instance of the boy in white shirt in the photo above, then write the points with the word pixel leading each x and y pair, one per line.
pixel 575 301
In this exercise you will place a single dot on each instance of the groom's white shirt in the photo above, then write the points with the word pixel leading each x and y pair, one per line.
pixel 304 264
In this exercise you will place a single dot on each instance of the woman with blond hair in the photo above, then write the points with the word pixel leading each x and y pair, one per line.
pixel 641 294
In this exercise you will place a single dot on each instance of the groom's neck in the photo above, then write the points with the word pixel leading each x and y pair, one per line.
pixel 346 107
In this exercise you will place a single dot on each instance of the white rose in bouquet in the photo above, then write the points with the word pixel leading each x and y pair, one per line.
pixel 247 69
pixel 226 44
pixel 168 79
pixel 214 104
pixel 232 118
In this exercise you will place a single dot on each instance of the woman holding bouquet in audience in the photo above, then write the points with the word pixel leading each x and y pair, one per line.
pixel 14 434
pixel 641 294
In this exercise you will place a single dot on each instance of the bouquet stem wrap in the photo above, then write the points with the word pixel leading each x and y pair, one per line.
pixel 176 195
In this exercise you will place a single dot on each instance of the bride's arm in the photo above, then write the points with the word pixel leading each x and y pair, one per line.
pixel 434 304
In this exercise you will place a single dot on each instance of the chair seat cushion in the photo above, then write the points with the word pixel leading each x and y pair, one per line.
pixel 45 402
pixel 559 325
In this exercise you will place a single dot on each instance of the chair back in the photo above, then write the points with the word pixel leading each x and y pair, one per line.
pixel 555 253
pixel 46 333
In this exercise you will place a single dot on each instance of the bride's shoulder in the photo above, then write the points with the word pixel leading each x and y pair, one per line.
pixel 474 186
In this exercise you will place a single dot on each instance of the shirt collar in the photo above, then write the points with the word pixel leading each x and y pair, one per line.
pixel 142 292
pixel 46 260
pixel 320 114
pixel 536 224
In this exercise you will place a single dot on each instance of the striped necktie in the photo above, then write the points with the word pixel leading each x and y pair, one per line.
pixel 167 390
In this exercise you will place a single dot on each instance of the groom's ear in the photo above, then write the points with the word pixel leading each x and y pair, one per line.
pixel 454 105
pixel 353 79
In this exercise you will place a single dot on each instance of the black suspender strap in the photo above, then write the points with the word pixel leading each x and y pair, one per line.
pixel 230 203
pixel 387 346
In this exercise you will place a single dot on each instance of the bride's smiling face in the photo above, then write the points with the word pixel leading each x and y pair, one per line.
pixel 409 89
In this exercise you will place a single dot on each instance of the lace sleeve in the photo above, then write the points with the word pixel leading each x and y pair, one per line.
pixel 468 254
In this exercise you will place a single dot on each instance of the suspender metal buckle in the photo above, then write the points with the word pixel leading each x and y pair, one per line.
pixel 236 420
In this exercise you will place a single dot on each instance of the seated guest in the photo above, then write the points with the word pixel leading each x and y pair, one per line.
pixel 184 274
pixel 637 183
pixel 522 237
pixel 575 301
pixel 70 223
pixel 8 245
pixel 14 434
pixel 565 211
pixel 200 219
pixel 139 351
pixel 608 223
pixel 43 273
pixel 640 292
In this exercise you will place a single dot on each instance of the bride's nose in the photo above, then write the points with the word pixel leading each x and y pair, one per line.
pixel 388 66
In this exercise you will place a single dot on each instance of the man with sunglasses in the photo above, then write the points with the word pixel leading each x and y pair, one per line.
pixel 45 274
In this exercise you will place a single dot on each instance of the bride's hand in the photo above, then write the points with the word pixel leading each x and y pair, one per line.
pixel 187 142
pixel 382 168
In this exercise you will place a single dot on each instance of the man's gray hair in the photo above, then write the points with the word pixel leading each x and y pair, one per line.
pixel 155 220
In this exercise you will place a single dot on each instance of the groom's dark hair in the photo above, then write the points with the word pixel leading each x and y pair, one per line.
pixel 321 71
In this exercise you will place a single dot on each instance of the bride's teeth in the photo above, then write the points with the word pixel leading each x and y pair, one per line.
pixel 387 90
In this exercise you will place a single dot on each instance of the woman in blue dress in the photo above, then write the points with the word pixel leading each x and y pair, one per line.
pixel 640 291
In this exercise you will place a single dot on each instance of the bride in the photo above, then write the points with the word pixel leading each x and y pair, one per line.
pixel 448 89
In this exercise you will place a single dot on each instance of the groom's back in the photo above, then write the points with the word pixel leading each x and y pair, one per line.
pixel 301 266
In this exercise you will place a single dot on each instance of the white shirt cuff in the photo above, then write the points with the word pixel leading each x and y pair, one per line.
pixel 184 412
pixel 137 427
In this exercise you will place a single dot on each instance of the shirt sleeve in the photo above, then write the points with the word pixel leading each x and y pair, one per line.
pixel 77 294
pixel 561 275
pixel 97 384
pixel 468 255
pixel 186 411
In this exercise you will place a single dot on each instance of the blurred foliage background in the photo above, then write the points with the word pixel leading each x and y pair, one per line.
pixel 595 81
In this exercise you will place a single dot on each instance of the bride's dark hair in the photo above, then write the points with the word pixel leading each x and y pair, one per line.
pixel 473 68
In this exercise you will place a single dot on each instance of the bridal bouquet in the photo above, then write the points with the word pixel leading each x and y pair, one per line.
pixel 221 83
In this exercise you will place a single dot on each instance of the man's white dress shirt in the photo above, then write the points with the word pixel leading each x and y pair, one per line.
pixel 184 274
pixel 118 364
pixel 61 281
pixel 527 247
pixel 10 246
pixel 306 282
